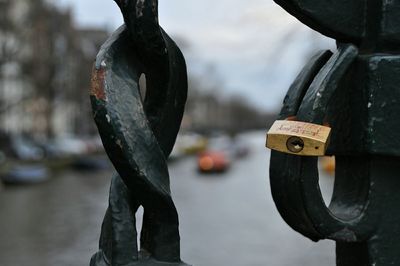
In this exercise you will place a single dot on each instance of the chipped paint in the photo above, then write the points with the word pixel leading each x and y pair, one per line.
pixel 139 8
pixel 97 88
pixel 119 143
pixel 345 235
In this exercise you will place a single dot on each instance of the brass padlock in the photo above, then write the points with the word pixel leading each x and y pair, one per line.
pixel 299 138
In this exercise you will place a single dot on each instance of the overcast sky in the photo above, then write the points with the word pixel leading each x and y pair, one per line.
pixel 254 47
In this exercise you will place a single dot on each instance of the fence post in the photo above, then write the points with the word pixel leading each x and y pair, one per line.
pixel 356 92
pixel 138 136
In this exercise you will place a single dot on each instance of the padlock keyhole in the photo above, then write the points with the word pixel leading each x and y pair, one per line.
pixel 295 144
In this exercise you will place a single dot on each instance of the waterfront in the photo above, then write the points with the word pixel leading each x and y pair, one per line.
pixel 228 219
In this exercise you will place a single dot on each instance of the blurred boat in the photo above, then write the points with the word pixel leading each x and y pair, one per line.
pixel 87 163
pixel 188 144
pixel 240 148
pixel 191 143
pixel 328 164
pixel 25 175
pixel 212 162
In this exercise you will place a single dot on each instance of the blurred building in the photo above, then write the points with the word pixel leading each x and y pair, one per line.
pixel 12 87
pixel 45 66
pixel 206 112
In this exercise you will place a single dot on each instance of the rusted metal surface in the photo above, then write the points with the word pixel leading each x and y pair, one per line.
pixel 97 84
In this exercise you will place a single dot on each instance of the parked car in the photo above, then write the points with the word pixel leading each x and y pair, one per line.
pixel 24 148
pixel 69 145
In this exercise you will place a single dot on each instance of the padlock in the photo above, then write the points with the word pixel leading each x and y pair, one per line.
pixel 299 138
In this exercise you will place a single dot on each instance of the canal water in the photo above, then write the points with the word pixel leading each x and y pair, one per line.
pixel 227 219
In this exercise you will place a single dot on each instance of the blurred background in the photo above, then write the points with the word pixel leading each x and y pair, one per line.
pixel 54 173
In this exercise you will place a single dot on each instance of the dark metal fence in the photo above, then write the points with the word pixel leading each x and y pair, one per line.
pixel 139 136
pixel 354 91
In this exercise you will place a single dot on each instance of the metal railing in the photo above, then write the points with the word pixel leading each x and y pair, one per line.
pixel 139 136
pixel 354 91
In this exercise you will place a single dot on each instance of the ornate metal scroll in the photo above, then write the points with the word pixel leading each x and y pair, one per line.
pixel 138 136
pixel 355 91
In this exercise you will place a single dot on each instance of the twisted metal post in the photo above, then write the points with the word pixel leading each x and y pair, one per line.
pixel 139 136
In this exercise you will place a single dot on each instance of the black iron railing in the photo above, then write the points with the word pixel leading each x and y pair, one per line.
pixel 139 136
pixel 354 91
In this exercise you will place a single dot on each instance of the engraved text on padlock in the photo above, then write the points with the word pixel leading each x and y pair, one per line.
pixel 300 138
